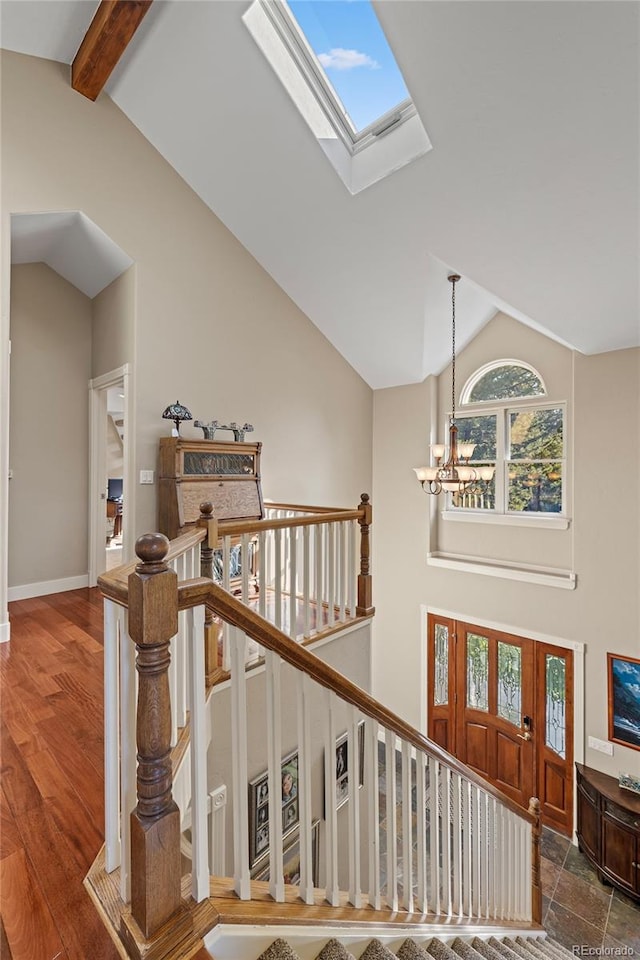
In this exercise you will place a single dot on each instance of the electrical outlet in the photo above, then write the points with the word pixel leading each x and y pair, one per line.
pixel 602 745
pixel 146 476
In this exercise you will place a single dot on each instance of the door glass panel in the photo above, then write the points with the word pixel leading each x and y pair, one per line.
pixel 477 672
pixel 555 720
pixel 441 682
pixel 509 682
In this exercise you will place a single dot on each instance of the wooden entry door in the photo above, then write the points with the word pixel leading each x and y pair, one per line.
pixel 495 708
pixel 502 704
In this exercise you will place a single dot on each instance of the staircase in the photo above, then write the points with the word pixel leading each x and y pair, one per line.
pixel 411 948
pixel 410 844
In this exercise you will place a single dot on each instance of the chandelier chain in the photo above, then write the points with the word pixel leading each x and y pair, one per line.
pixel 453 351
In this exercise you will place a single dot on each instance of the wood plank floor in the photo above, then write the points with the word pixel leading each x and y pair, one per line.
pixel 52 788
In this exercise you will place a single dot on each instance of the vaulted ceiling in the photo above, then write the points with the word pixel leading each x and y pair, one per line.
pixel 530 191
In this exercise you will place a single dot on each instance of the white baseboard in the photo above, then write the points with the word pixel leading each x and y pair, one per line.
pixel 5 632
pixel 28 590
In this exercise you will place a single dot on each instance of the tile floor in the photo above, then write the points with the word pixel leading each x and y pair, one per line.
pixel 578 910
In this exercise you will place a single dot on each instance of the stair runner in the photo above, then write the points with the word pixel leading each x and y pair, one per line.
pixel 522 948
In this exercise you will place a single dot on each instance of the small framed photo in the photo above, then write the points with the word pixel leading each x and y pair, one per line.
pixel 291 860
pixel 624 700
pixel 259 807
pixel 344 765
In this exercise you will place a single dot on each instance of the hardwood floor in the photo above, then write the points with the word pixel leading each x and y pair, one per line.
pixel 51 796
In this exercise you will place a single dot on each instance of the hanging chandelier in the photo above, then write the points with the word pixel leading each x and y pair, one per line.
pixel 455 474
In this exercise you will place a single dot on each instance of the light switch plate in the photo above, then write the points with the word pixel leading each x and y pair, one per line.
pixel 146 476
pixel 602 745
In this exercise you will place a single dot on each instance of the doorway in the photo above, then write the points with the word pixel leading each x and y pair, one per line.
pixel 503 705
pixel 111 482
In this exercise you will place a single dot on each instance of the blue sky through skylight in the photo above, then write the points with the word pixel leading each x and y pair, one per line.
pixel 349 43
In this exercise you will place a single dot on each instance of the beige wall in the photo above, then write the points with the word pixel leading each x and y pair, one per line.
pixel 601 545
pixel 49 447
pixel 212 329
pixel 113 325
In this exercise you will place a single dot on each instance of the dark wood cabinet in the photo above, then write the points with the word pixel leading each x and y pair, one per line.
pixel 609 829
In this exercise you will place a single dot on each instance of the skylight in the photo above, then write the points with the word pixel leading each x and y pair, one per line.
pixel 334 61
pixel 354 55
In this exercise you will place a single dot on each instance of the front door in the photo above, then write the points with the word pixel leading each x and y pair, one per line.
pixel 502 705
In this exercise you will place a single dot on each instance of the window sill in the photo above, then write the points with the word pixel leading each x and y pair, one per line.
pixel 548 521
pixel 527 573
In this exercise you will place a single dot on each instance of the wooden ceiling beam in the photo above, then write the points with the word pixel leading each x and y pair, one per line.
pixel 113 25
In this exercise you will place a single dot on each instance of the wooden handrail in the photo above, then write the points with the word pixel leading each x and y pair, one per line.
pixel 301 508
pixel 237 527
pixel 114 583
pixel 193 593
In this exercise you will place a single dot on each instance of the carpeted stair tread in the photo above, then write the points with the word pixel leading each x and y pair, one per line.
pixel 518 948
pixel 533 946
pixel 279 950
pixel 441 951
pixel 465 950
pixel 377 951
pixel 543 947
pixel 410 950
pixel 485 950
pixel 334 950
pixel 503 949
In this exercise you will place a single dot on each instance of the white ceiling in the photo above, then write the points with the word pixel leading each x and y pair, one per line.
pixel 530 190
pixel 72 245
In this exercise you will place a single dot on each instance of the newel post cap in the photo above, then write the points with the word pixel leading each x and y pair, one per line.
pixel 153 593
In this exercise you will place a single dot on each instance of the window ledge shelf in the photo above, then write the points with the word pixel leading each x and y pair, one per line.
pixel 527 573
pixel 549 522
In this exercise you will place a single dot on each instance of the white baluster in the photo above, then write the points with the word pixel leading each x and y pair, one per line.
pixel 331 575
pixel 245 563
pixel 304 785
pixel 217 853
pixel 262 573
pixel 112 642
pixel 457 844
pixel 331 813
pixel 226 584
pixel 502 859
pixel 421 833
pixel 477 838
pixel 293 581
pixel 128 752
pixel 306 579
pixel 351 568
pixel 274 764
pixel 173 675
pixel 407 829
pixel 372 779
pixel 342 571
pixel 319 564
pixel 392 832
pixel 434 832
pixel 198 757
pixel 277 534
pixel 447 864
pixel 353 755
pixel 238 652
pixel 178 650
pixel 471 824
pixel 527 873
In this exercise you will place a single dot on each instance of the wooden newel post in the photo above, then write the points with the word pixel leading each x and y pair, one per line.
pixel 211 627
pixel 155 822
pixel 536 884
pixel 364 607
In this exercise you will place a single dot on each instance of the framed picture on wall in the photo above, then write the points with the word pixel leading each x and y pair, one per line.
pixel 624 700
pixel 291 860
pixel 344 766
pixel 259 807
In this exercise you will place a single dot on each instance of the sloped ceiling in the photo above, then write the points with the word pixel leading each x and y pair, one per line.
pixel 530 190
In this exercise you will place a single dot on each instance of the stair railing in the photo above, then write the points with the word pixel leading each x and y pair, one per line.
pixel 477 851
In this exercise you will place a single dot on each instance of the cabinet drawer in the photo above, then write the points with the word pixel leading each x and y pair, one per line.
pixel 588 790
pixel 622 816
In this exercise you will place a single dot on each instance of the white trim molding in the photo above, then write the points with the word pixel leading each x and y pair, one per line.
pixel 28 590
pixel 5 632
pixel 551 521
pixel 503 569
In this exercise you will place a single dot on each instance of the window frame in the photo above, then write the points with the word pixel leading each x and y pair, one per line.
pixel 299 48
pixel 486 368
pixel 500 513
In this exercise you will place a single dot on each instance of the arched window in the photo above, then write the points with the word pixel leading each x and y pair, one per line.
pixel 502 380
pixel 522 439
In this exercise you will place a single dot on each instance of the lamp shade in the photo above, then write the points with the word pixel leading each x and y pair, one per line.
pixel 177 412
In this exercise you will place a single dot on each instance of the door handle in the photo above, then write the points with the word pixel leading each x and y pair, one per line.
pixel 524 736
